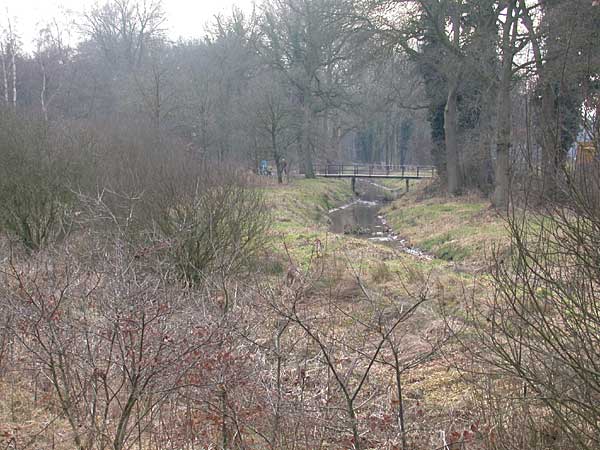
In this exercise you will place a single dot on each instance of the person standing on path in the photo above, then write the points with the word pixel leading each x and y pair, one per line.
pixel 283 166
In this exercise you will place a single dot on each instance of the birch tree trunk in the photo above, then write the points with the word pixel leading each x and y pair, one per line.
pixel 43 92
pixel 4 73
pixel 14 76
pixel 12 41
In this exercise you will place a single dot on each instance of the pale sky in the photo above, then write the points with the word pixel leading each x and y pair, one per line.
pixel 185 18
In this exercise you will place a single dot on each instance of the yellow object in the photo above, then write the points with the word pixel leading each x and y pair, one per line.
pixel 586 152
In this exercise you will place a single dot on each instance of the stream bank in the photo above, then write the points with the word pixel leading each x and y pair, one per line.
pixel 363 217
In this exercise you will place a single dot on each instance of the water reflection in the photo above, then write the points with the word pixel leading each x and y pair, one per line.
pixel 362 218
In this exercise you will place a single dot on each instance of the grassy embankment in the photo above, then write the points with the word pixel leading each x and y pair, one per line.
pixel 300 220
pixel 463 230
pixel 459 232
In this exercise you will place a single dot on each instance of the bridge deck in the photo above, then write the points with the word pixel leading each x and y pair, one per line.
pixel 366 175
pixel 375 171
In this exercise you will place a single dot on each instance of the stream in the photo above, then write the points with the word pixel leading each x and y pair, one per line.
pixel 363 218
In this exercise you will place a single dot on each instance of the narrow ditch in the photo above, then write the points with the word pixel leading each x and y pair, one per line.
pixel 363 218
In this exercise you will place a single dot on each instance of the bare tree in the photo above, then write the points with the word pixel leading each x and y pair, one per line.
pixel 303 40
pixel 9 48
pixel 53 57
pixel 274 117
pixel 379 328
pixel 3 54
pixel 508 43
pixel 123 29
pixel 540 328
pixel 563 60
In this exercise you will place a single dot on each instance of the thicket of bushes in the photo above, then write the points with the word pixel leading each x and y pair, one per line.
pixel 538 337
pixel 121 180
pixel 35 197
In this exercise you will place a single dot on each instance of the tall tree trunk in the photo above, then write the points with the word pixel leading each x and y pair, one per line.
pixel 307 161
pixel 43 92
pixel 550 138
pixel 487 47
pixel 338 141
pixel 501 190
pixel 4 73
pixel 326 146
pixel 451 116
pixel 486 133
pixel 14 77
pixel 403 135
pixel 451 132
pixel 386 144
pixel 13 63
pixel 276 155
pixel 552 159
pixel 156 114
pixel 504 110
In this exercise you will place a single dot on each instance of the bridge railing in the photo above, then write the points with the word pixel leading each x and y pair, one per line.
pixel 375 170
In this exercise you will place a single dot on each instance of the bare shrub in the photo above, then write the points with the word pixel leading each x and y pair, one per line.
pixel 341 360
pixel 541 330
pixel 125 167
pixel 35 199
pixel 217 226
pixel 114 342
pixel 158 198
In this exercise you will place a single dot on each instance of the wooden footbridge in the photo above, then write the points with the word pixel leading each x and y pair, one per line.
pixel 354 171
pixel 375 171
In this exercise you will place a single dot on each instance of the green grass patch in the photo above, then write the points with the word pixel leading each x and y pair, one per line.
pixel 306 202
pixel 299 213
pixel 300 227
pixel 462 229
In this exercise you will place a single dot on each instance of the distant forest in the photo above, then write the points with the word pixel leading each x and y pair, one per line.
pixel 488 91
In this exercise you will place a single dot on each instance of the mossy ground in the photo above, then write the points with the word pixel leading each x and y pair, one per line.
pixel 299 215
pixel 305 203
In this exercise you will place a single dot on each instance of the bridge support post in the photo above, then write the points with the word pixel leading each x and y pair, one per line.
pixel 353 184
pixel 407 180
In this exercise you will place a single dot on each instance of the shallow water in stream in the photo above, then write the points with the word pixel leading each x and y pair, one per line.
pixel 363 218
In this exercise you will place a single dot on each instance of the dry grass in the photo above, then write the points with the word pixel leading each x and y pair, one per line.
pixel 27 419
pixel 352 281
